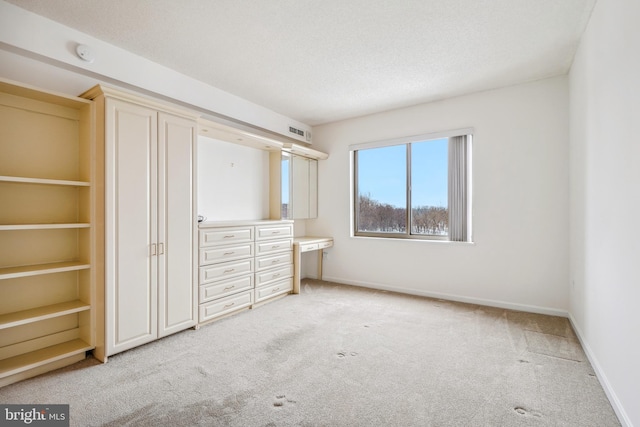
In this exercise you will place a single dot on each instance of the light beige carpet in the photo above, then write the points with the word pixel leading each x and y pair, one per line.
pixel 339 355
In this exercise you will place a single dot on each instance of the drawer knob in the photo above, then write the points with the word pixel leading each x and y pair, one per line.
pixel 229 305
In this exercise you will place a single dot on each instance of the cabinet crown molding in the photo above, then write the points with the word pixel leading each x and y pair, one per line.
pixel 102 90
pixel 234 135
pixel 303 151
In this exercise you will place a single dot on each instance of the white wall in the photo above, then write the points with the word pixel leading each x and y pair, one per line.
pixel 520 209
pixel 605 200
pixel 25 36
pixel 233 181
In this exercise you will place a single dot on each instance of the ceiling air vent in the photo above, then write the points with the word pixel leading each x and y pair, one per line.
pixel 295 131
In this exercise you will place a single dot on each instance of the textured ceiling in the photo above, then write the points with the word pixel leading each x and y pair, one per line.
pixel 319 61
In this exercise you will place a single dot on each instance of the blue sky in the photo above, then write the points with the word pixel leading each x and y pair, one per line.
pixel 382 173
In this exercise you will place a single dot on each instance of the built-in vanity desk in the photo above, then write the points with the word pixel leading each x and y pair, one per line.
pixel 307 244
pixel 242 263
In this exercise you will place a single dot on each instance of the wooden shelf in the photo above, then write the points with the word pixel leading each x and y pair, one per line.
pixel 24 362
pixel 50 165
pixel 7 227
pixel 23 180
pixel 34 270
pixel 24 317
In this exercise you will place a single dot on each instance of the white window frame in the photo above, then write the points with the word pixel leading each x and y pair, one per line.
pixel 353 148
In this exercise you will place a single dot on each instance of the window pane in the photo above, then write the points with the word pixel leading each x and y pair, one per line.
pixel 429 193
pixel 382 190
pixel 284 208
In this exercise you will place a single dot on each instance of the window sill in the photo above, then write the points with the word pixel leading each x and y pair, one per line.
pixel 413 240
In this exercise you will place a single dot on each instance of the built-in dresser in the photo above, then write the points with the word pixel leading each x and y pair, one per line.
pixel 243 263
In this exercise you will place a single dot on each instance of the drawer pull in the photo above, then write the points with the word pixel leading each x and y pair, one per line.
pixel 229 305
pixel 231 270
pixel 229 236
pixel 275 232
pixel 276 275
pixel 275 290
pixel 229 253
pixel 275 246
pixel 230 287
pixel 275 261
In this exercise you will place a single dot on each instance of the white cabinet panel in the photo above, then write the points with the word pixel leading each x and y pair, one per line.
pixel 211 291
pixel 276 288
pixel 151 283
pixel 225 270
pixel 274 246
pixel 225 253
pixel 223 306
pixel 226 236
pixel 131 270
pixel 177 297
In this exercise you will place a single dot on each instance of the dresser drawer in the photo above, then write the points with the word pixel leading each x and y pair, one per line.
pixel 215 290
pixel 223 306
pixel 270 261
pixel 305 247
pixel 274 246
pixel 264 232
pixel 277 288
pixel 225 236
pixel 225 270
pixel 269 276
pixel 323 245
pixel 215 254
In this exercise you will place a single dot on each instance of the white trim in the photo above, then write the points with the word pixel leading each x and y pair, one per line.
pixel 451 297
pixel 409 139
pixel 427 239
pixel 604 381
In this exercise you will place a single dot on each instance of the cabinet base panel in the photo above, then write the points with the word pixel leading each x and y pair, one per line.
pixel 42 369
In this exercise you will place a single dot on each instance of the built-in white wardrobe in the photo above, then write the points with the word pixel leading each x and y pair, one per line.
pixel 150 220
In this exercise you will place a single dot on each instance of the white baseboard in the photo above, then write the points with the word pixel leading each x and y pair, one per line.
pixel 611 395
pixel 453 297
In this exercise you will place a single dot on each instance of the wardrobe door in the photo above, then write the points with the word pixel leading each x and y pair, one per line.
pixel 131 224
pixel 176 224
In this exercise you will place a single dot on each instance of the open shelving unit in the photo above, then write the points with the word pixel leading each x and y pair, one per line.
pixel 48 230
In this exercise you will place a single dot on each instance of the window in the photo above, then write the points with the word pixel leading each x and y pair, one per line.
pixel 416 187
